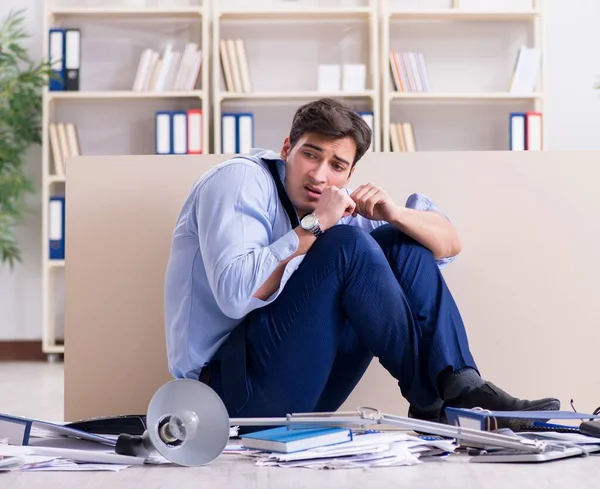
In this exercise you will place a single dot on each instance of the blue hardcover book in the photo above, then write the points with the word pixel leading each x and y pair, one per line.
pixel 288 440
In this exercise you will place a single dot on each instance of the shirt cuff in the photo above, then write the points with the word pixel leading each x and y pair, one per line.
pixel 285 246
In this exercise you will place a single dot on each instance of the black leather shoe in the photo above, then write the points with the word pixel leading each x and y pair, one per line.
pixel 416 413
pixel 489 396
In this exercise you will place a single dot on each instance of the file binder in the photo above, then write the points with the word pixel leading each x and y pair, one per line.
pixel 56 55
pixel 245 132
pixel 179 132
pixel 163 133
pixel 237 132
pixel 56 228
pixel 517 131
pixel 72 59
pixel 478 418
pixel 194 131
pixel 533 131
pixel 229 135
pixel 18 430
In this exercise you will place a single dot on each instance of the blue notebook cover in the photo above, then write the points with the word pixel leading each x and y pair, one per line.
pixel 287 440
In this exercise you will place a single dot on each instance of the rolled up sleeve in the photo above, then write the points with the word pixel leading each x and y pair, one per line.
pixel 234 219
pixel 415 201
pixel 422 202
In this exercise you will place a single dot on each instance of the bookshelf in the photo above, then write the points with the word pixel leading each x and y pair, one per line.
pixel 277 84
pixel 470 55
pixel 462 96
pixel 128 30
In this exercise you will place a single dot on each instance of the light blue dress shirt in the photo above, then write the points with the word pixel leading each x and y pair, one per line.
pixel 230 236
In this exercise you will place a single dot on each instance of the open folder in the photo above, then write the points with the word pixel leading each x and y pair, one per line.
pixel 17 430
pixel 479 418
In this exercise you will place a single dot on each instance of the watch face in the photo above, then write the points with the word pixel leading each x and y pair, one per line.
pixel 309 221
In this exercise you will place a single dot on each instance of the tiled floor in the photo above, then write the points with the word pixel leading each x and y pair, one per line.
pixel 36 390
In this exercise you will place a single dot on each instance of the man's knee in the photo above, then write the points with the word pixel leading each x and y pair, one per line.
pixel 347 243
pixel 344 236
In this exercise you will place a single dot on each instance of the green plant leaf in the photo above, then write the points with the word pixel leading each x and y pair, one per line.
pixel 21 82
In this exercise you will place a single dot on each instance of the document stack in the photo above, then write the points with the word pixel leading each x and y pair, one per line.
pixel 340 448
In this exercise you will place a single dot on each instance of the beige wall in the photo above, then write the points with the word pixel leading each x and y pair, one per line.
pixel 526 281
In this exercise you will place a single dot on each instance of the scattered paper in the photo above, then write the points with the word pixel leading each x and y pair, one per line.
pixel 389 449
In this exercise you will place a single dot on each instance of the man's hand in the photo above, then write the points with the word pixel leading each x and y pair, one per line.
pixel 374 203
pixel 333 205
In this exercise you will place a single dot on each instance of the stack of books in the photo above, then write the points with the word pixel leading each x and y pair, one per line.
pixel 409 72
pixel 176 70
pixel 234 63
pixel 402 136
pixel 64 144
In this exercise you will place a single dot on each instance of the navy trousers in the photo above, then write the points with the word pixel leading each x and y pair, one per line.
pixel 355 296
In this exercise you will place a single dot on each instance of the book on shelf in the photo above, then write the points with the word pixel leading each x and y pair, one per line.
pixel 526 73
pixel 179 132
pixel 409 72
pixel 64 143
pixel 402 137
pixel 64 56
pixel 526 131
pixel 173 71
pixel 234 65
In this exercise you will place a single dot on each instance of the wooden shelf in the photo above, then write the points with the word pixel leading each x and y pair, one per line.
pixel 294 95
pixel 56 179
pixel 152 12
pixel 295 14
pixel 463 15
pixel 463 96
pixel 122 94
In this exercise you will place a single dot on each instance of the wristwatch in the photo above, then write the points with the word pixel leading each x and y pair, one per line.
pixel 310 223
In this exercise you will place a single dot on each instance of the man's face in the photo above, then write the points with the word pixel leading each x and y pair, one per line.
pixel 314 163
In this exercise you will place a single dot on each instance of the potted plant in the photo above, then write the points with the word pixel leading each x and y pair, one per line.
pixel 21 82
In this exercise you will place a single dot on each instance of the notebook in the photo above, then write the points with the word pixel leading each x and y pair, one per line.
pixel 289 440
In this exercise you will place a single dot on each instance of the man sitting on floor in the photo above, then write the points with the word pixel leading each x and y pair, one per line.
pixel 282 286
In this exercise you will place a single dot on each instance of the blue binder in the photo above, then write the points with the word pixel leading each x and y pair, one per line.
pixel 517 141
pixel 475 418
pixel 179 138
pixel 56 58
pixel 56 227
pixel 229 133
pixel 17 430
pixel 163 132
pixel 244 123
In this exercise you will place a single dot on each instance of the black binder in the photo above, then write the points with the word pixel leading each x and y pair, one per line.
pixel 131 424
pixel 72 59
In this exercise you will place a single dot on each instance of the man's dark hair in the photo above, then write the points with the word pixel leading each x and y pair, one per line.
pixel 332 118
